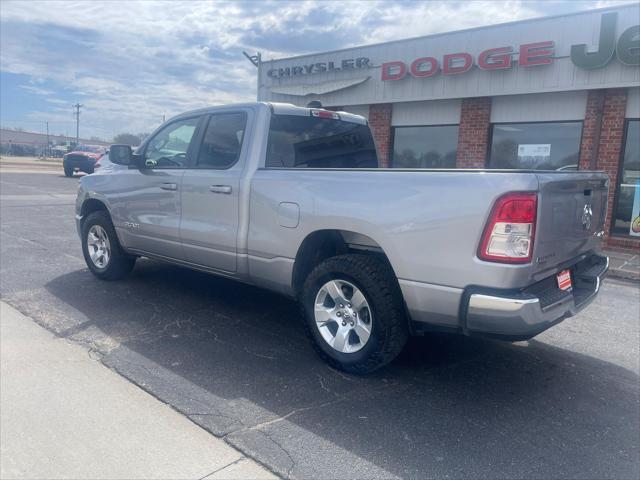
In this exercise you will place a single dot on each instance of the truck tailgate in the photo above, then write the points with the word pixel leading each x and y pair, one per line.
pixel 571 215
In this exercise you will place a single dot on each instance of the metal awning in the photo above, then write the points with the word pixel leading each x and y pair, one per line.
pixel 302 90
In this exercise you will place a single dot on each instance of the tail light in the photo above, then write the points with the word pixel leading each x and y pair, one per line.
pixel 325 114
pixel 509 233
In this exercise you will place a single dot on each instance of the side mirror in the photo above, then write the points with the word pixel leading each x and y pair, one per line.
pixel 121 154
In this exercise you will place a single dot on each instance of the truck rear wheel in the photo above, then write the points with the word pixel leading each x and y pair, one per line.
pixel 354 313
pixel 102 251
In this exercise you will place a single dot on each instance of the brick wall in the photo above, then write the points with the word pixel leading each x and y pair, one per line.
pixel 591 129
pixel 380 124
pixel 609 156
pixel 630 245
pixel 473 133
pixel 601 148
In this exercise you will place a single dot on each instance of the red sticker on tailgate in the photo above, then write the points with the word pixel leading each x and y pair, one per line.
pixel 564 280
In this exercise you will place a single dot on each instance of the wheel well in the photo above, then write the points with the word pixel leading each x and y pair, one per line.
pixel 323 244
pixel 92 205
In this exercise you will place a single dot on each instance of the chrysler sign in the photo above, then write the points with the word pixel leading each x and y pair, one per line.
pixel 626 48
pixel 347 64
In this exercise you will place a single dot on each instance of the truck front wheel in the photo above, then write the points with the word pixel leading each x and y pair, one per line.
pixel 354 313
pixel 102 251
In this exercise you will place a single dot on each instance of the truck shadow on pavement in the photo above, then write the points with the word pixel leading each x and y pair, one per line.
pixel 235 359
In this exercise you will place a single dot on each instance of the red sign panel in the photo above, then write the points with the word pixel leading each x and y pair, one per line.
pixel 564 280
pixel 530 54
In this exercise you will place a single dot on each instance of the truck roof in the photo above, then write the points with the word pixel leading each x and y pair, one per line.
pixel 275 107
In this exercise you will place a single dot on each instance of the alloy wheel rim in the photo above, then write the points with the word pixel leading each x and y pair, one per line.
pixel 343 316
pixel 98 246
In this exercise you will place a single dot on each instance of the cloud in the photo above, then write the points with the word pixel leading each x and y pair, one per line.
pixel 130 62
pixel 36 90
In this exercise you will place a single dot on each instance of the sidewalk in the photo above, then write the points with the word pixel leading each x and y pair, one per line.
pixel 37 161
pixel 30 164
pixel 64 415
pixel 624 265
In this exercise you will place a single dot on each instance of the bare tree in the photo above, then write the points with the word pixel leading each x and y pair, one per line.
pixel 127 139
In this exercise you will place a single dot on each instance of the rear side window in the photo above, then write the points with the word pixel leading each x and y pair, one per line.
pixel 222 140
pixel 312 142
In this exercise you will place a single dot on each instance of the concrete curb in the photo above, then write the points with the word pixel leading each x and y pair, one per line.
pixel 624 274
pixel 623 265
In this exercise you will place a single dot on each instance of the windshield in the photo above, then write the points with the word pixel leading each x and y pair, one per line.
pixel 90 148
pixel 311 142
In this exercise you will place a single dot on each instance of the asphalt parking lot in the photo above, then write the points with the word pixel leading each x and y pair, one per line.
pixel 234 359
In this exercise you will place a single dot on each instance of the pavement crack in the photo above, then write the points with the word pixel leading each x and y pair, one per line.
pixel 285 451
pixel 340 374
pixel 225 466
pixel 94 354
pixel 321 379
pixel 322 385
pixel 295 411
pixel 258 354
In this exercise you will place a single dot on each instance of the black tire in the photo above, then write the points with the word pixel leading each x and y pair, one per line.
pixel 68 172
pixel 389 328
pixel 120 263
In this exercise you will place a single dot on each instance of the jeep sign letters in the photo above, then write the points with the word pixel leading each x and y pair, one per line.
pixel 627 50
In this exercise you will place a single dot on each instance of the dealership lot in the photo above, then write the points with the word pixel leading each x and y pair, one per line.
pixel 234 360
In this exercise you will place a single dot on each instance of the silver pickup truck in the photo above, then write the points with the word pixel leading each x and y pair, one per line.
pixel 291 199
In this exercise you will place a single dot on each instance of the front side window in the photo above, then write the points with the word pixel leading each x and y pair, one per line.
pixel 536 146
pixel 168 148
pixel 312 142
pixel 222 140
pixel 425 147
pixel 626 214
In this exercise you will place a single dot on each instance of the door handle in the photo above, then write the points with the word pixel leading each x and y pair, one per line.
pixel 169 186
pixel 220 189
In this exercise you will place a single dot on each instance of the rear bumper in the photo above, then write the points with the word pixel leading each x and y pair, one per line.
pixel 83 164
pixel 526 313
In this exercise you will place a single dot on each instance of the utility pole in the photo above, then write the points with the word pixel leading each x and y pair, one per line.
pixel 47 151
pixel 77 114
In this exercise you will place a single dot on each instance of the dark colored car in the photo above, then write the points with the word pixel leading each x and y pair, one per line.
pixel 83 159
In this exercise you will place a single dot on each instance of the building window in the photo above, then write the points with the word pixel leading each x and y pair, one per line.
pixel 536 146
pixel 425 147
pixel 626 214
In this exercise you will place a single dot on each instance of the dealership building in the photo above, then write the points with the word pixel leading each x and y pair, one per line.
pixel 559 93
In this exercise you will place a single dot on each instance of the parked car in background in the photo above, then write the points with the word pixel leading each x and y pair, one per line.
pixel 291 199
pixel 106 165
pixel 83 159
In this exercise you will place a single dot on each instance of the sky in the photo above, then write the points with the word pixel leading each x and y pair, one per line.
pixel 129 63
